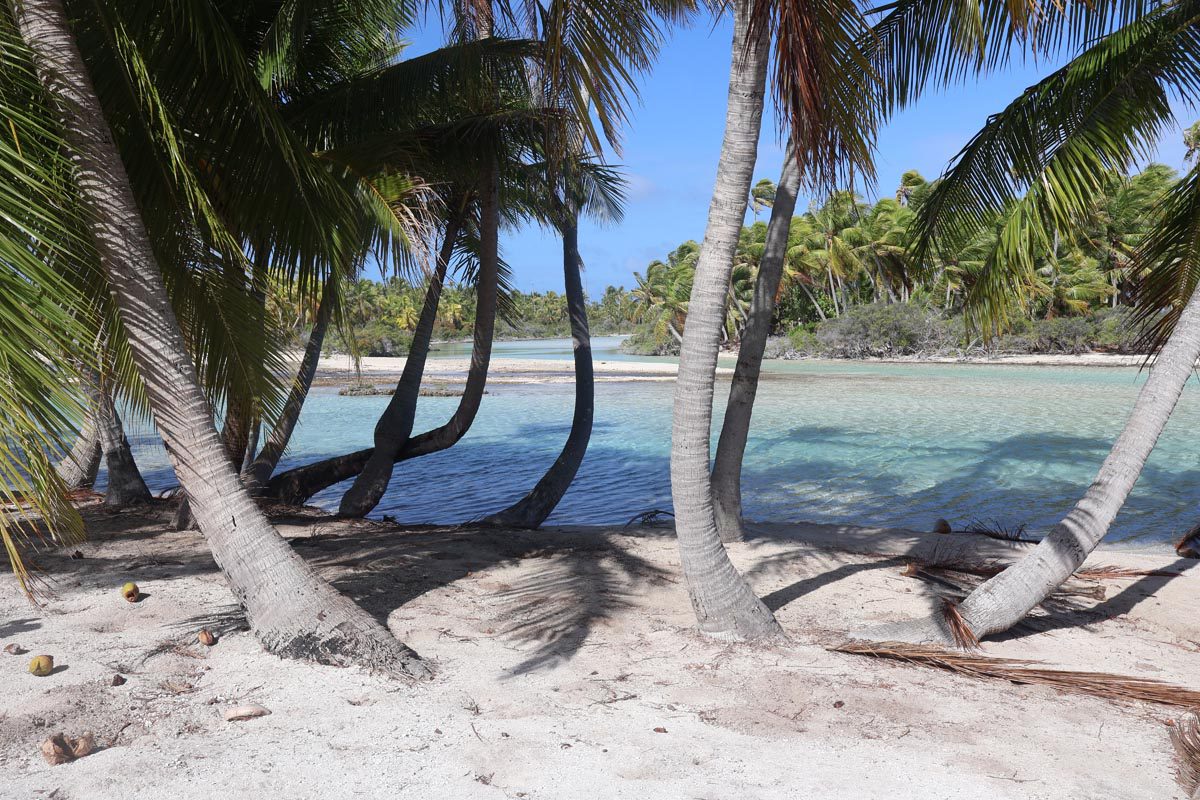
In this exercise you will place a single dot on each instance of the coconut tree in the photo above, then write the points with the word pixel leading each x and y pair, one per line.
pixel 1046 155
pixel 291 609
pixel 735 429
pixel 833 85
pixel 126 486
pixel 586 187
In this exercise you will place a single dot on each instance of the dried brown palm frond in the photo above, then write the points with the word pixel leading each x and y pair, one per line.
pixel 1096 684
pixel 1185 735
pixel 1106 572
pixel 964 637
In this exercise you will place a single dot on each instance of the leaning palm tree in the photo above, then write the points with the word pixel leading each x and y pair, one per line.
pixel 315 621
pixel 1046 156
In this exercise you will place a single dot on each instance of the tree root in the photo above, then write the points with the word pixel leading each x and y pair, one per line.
pixel 346 645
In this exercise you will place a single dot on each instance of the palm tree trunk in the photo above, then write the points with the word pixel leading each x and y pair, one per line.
pixel 297 485
pixel 727 467
pixel 1003 601
pixel 395 425
pixel 268 458
pixel 532 510
pixel 80 466
pixel 291 609
pixel 125 484
pixel 837 311
pixel 724 604
pixel 813 298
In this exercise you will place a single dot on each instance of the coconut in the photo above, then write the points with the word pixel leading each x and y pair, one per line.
pixel 41 666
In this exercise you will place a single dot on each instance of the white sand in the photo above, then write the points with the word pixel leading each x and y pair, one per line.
pixel 501 370
pixel 383 370
pixel 558 654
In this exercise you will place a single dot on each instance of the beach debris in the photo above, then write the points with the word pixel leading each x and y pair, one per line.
pixel 660 729
pixel 655 518
pixel 964 637
pixel 1021 671
pixel 1185 735
pixel 77 554
pixel 15 649
pixel 59 749
pixel 41 666
pixel 206 637
pixel 119 680
pixel 839 703
pixel 1189 545
pixel 995 529
pixel 942 526
pixel 131 592
pixel 239 713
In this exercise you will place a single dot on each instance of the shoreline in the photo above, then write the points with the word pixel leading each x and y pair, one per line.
pixel 339 370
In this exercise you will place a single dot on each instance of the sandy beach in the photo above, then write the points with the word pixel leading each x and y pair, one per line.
pixel 568 666
pixel 339 370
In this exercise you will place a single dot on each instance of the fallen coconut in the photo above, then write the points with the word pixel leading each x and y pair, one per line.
pixel 942 526
pixel 41 666
pixel 15 649
pixel 206 637
pixel 238 713
pixel 131 592
pixel 58 749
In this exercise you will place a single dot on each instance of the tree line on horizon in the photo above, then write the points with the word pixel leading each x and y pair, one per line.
pixel 182 182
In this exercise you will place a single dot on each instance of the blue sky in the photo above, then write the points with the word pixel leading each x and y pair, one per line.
pixel 672 142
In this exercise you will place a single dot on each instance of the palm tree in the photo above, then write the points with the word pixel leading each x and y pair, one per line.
pixel 259 472
pixel 314 621
pixel 731 447
pixel 723 601
pixel 1057 143
pixel 125 484
pixel 394 427
pixel 585 187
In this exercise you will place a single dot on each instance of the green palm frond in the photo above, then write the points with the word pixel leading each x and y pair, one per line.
pixel 1043 160
pixel 1167 263
pixel 47 327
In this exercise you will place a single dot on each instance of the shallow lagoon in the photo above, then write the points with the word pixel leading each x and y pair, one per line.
pixel 875 444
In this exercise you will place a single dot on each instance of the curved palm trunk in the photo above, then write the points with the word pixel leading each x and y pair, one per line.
pixel 813 298
pixel 1006 599
pixel 297 485
pixel 125 484
pixel 268 458
pixel 395 425
pixel 291 609
pixel 727 467
pixel 80 466
pixel 533 509
pixel 724 604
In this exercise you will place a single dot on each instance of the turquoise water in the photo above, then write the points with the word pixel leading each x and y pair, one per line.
pixel 879 444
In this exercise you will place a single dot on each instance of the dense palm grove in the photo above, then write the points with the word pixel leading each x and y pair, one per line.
pixel 190 187
pixel 850 288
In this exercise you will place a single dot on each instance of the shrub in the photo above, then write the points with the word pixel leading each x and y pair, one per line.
pixel 882 330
